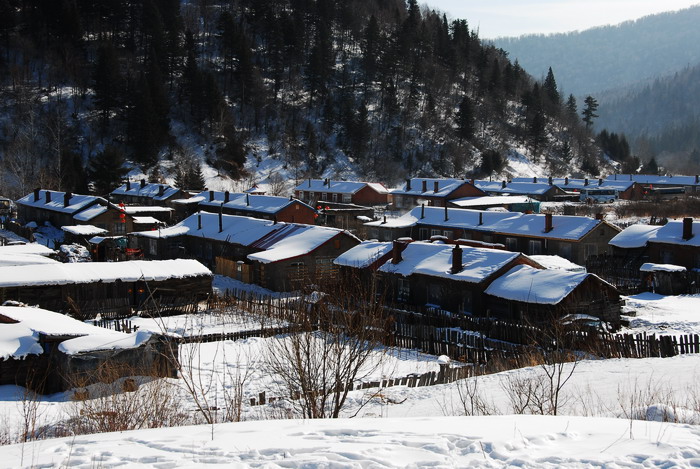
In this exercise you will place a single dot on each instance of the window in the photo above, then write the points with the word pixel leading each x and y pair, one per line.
pixel 465 305
pixel 153 247
pixel 434 294
pixel 423 233
pixel 404 290
pixel 347 198
pixel 589 250
pixel 449 234
pixel 535 247
pixel 120 228
pixel 335 197
pixel 512 244
pixel 565 250
pixel 324 196
pixel 435 232
pixel 325 268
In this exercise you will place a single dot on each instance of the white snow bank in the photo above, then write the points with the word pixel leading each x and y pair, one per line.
pixel 651 267
pixel 95 342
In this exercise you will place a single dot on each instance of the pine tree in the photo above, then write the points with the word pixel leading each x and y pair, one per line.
pixel 106 170
pixel 588 113
pixel 550 89
pixel 108 84
pixel 465 120
pixel 571 109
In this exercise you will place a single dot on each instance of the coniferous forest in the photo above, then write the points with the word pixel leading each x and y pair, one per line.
pixel 378 90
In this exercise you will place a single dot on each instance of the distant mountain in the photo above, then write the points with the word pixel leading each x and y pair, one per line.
pixel 611 57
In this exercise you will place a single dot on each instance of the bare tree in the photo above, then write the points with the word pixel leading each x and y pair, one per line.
pixel 337 341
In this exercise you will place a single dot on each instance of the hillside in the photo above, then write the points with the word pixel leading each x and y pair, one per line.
pixel 611 57
pixel 226 94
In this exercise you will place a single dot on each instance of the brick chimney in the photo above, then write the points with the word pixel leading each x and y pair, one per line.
pixel 422 211
pixel 585 182
pixel 503 184
pixel 446 217
pixel 128 185
pixel 309 182
pixel 161 190
pixel 599 216
pixel 425 186
pixel 456 260
pixel 247 200
pixel 408 185
pixel 548 222
pixel 396 249
pixel 436 186
pixel 221 222
pixel 697 179
pixel 550 181
pixel 211 196
pixel 66 199
pixel 226 197
pixel 566 181
pixel 143 183
pixel 600 181
pixel 687 228
pixel 534 179
pixel 199 220
pixel 36 195
pixel 481 218
pixel 48 197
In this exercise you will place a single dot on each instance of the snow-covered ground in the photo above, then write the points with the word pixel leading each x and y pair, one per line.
pixel 605 412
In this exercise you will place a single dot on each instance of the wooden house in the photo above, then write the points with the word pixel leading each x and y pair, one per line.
pixel 278 256
pixel 83 288
pixel 66 209
pixel 690 184
pixel 542 191
pixel 81 234
pixel 49 352
pixel 313 191
pixel 537 296
pixel 266 207
pixel 509 203
pixel 433 192
pixel 147 193
pixel 625 190
pixel 572 237
pixel 434 275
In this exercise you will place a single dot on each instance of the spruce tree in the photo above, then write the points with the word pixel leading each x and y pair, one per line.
pixel 106 170
pixel 465 120
pixel 588 113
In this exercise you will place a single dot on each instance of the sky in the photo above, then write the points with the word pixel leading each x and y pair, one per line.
pixel 495 18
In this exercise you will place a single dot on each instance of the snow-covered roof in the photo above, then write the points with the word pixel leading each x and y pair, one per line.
pixel 136 209
pixel 7 260
pixel 84 230
pixel 76 202
pixel 541 286
pixel 651 267
pixel 445 187
pixel 493 200
pixel 556 263
pixel 435 260
pixel 150 190
pixel 17 340
pixel 146 220
pixel 90 213
pixel 653 179
pixel 634 236
pixel 29 248
pixel 672 233
pixel 522 188
pixel 292 240
pixel 90 272
pixel 340 187
pixel 269 204
pixel 570 184
pixel 363 254
pixel 563 226
pixel 191 201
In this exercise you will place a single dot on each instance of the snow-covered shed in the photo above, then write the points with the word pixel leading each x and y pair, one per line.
pixel 49 352
pixel 83 288
pixel 147 193
pixel 433 192
pixel 541 295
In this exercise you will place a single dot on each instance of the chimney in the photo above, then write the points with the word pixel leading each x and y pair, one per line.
pixel 436 185
pixel 226 197
pixel 600 181
pixel 503 184
pixel 36 195
pixel 551 181
pixel 397 248
pixel 247 200
pixel 599 216
pixel 221 222
pixel 471 181
pixel 329 183
pixel 143 183
pixel 66 199
pixel 446 217
pixel 422 211
pixel 425 186
pixel 534 179
pixel 548 225
pixel 161 190
pixel 566 181
pixel 481 218
pixel 128 185
pixel 274 219
pixel 697 179
pixel 309 182
pixel 585 182
pixel 384 221
pixel 199 220
pixel 48 197
pixel 456 260
pixel 687 228
pixel 408 185
pixel 211 196
pixel 325 182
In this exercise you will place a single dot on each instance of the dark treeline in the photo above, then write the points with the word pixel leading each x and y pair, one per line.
pixel 379 86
